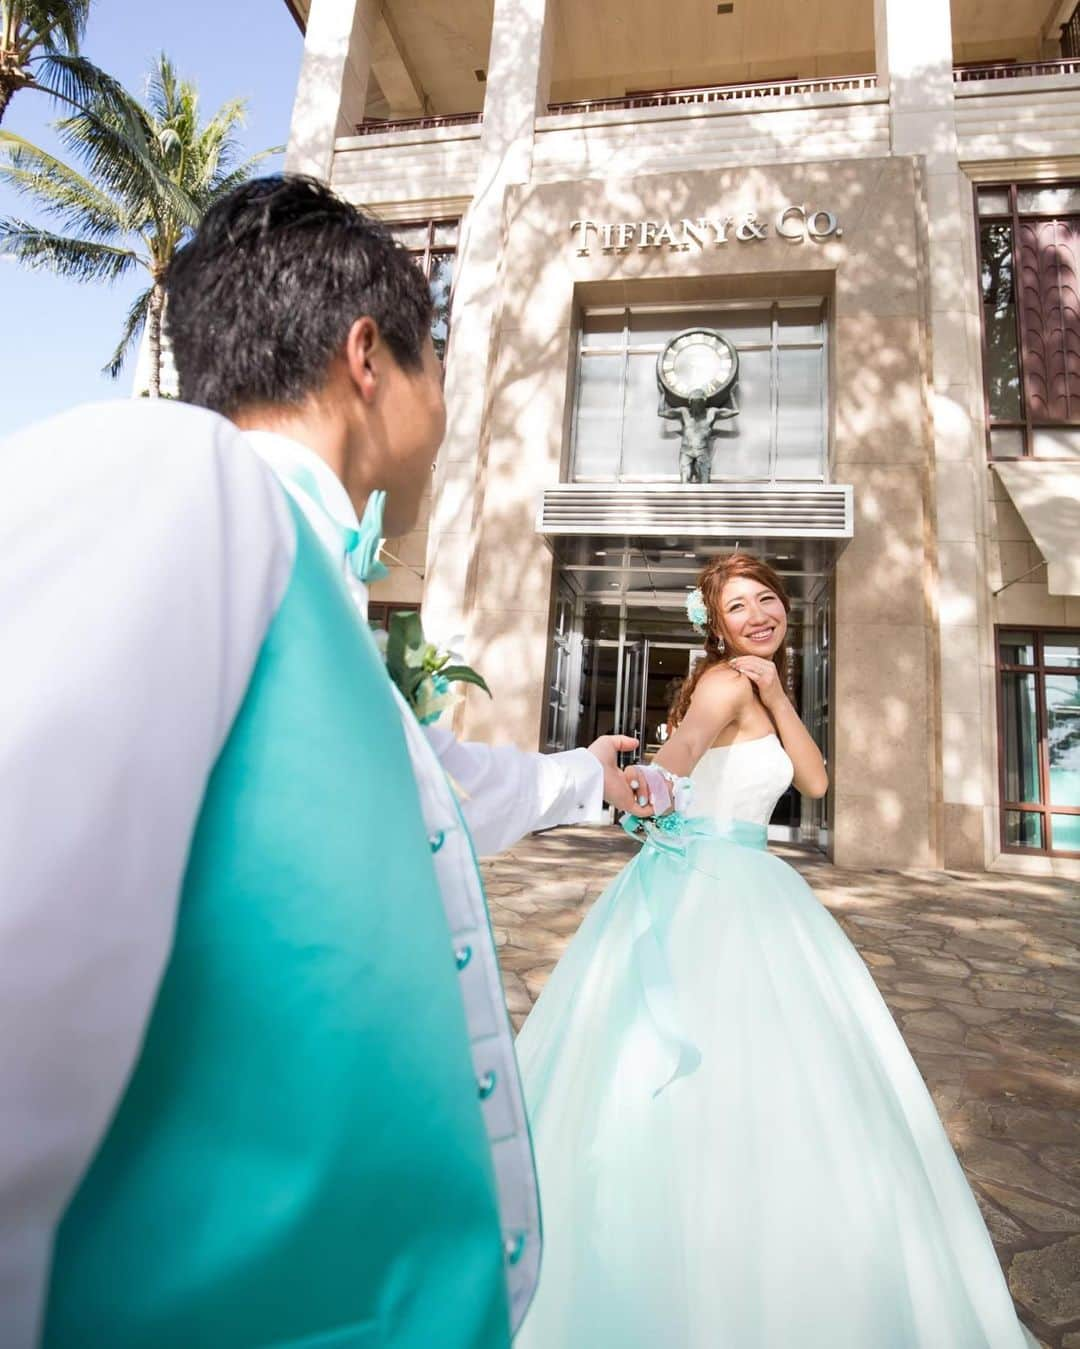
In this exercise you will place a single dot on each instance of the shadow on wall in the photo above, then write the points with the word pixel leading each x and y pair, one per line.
pixel 879 430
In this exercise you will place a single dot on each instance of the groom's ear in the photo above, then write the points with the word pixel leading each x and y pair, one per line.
pixel 365 353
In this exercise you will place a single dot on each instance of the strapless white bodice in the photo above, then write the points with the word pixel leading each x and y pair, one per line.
pixel 743 781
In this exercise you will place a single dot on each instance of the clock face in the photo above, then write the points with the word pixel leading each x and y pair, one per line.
pixel 698 360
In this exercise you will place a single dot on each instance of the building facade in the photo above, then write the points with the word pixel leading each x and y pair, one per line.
pixel 877 204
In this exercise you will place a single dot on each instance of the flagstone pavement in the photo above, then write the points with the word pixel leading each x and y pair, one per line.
pixel 981 971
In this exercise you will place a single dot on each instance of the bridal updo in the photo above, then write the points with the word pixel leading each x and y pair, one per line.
pixel 714 576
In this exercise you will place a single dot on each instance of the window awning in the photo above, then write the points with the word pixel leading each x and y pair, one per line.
pixel 1047 496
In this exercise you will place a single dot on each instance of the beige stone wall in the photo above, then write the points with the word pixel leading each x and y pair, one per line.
pixel 886 784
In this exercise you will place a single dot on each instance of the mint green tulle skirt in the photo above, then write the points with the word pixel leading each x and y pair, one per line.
pixel 735 1148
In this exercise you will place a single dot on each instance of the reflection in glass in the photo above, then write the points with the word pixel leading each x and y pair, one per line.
pixel 440 280
pixel 604 330
pixel 1021 738
pixel 1006 443
pixel 1056 442
pixel 599 417
pixel 650 445
pixel 1023 829
pixel 999 314
pixel 742 447
pixel 800 430
pixel 1065 833
pixel 780 430
pixel 414 237
pixel 801 325
pixel 657 327
pixel 1062 649
pixel 994 202
pixel 1063 738
pixel 1017 648
pixel 1048 200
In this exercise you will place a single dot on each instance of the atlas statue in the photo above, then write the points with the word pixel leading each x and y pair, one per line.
pixel 696 374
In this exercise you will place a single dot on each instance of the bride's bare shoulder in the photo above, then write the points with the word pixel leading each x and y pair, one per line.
pixel 720 686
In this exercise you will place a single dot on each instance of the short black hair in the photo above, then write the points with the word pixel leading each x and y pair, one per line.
pixel 261 300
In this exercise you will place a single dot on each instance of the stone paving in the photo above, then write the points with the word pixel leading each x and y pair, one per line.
pixel 982 973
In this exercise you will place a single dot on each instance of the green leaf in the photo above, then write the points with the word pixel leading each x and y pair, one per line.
pixel 464 674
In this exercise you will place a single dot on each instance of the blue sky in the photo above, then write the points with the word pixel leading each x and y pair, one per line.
pixel 55 335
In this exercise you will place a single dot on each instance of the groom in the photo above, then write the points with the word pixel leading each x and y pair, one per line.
pixel 257 1085
pixel 302 320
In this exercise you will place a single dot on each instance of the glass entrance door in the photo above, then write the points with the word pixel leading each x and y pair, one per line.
pixel 624 642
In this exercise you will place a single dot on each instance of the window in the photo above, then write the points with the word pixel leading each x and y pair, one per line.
pixel 1039 739
pixel 433 243
pixel 1029 253
pixel 1070 36
pixel 780 431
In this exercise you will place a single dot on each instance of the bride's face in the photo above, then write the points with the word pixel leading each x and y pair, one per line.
pixel 755 623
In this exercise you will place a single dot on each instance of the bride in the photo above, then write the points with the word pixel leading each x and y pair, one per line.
pixel 735 1148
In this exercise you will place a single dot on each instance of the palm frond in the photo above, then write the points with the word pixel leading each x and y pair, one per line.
pixel 77 258
pixel 75 80
pixel 128 166
pixel 220 187
pixel 60 23
pixel 59 190
pixel 52 25
pixel 134 323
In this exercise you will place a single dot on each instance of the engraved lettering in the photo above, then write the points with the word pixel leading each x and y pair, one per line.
pixel 696 231
pixel 583 227
pixel 823 231
pixel 785 231
pixel 750 228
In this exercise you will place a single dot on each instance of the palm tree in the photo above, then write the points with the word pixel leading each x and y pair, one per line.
pixel 150 173
pixel 39 49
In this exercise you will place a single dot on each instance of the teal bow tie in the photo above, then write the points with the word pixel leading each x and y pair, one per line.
pixel 362 545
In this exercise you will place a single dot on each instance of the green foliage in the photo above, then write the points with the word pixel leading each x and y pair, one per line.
pixel 147 174
pixel 39 49
pixel 421 671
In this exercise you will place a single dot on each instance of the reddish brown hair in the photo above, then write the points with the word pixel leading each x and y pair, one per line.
pixel 714 576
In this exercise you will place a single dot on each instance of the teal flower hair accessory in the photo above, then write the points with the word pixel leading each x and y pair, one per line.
pixel 696 611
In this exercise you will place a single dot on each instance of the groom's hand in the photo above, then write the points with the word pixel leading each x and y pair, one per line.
pixel 617 790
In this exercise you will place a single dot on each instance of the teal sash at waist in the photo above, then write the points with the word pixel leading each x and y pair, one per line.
pixel 673 833
pixel 674 839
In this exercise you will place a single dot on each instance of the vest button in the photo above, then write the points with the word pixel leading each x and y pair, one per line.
pixel 486 1085
pixel 462 956
pixel 437 840
pixel 514 1247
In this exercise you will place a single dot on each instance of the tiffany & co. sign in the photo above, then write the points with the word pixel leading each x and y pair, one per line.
pixel 796 224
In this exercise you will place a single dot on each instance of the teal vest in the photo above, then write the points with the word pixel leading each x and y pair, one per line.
pixel 300 1157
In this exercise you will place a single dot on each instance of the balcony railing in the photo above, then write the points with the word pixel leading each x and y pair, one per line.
pixel 721 93
pixel 1015 70
pixel 376 126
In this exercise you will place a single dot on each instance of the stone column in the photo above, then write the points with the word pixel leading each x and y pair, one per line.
pixel 518 80
pixel 332 89
pixel 915 59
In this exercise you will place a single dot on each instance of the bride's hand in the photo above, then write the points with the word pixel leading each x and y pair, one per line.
pixel 638 787
pixel 617 790
pixel 764 676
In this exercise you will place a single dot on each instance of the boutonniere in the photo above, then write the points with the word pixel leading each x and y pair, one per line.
pixel 424 674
